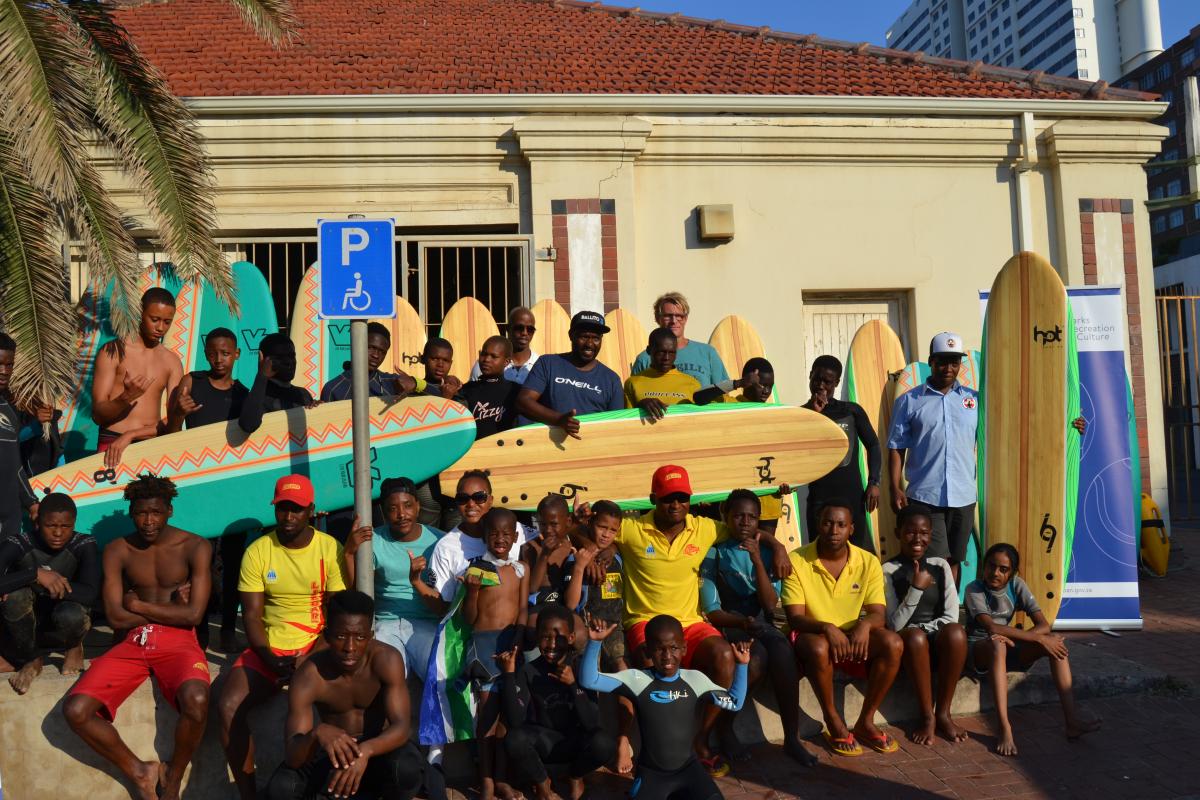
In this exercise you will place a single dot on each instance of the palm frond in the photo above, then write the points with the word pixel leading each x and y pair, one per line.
pixel 33 287
pixel 273 20
pixel 156 138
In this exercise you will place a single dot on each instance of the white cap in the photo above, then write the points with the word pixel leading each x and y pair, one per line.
pixel 946 343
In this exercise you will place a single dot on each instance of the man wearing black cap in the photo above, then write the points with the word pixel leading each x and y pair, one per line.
pixel 560 387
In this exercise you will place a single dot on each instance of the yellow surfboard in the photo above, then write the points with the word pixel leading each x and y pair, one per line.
pixel 467 325
pixel 722 446
pixel 875 354
pixel 790 528
pixel 408 338
pixel 1029 469
pixel 623 344
pixel 736 342
pixel 552 324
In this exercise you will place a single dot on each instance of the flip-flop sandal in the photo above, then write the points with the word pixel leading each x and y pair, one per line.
pixel 716 765
pixel 847 747
pixel 881 743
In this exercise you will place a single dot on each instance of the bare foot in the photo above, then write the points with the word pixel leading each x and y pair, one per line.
pixel 796 750
pixel 506 792
pixel 1005 745
pixel 169 791
pixel 1078 727
pixel 577 788
pixel 866 730
pixel 542 791
pixel 23 679
pixel 924 734
pixel 146 776
pixel 946 727
pixel 73 661
pixel 624 755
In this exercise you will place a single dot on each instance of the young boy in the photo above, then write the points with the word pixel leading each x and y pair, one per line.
pixel 739 596
pixel 599 596
pixel 273 389
pixel 757 383
pixel 495 607
pixel 922 606
pixel 549 554
pixel 660 384
pixel 998 647
pixel 490 397
pixel 666 698
pixel 550 719
pixel 379 383
pixel 438 356
pixel 49 581
pixel 18 497
pixel 835 606
pixel 520 330
pixel 131 377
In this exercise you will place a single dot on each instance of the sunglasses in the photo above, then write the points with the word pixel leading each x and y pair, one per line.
pixel 523 328
pixel 676 497
pixel 478 498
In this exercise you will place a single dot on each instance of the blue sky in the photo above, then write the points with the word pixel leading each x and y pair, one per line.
pixel 856 20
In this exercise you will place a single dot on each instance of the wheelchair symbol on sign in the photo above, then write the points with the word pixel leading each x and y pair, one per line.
pixel 356 295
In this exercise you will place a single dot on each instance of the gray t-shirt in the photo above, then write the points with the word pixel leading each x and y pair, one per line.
pixel 999 605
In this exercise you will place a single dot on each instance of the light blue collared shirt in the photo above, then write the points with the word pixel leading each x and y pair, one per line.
pixel 938 431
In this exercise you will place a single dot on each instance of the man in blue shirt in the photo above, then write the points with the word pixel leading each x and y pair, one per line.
pixel 380 384
pixel 560 387
pixel 932 443
pixel 693 358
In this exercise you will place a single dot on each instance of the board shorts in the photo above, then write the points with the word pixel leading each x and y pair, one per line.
pixel 171 655
pixel 105 439
pixel 479 659
pixel 1012 659
pixel 252 661
pixel 693 635
pixel 854 670
pixel 951 532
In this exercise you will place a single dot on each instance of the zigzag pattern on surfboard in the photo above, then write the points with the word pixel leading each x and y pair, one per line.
pixel 309 357
pixel 258 446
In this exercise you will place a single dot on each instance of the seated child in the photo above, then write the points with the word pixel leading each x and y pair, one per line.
pixel 922 606
pixel 595 597
pixel 835 606
pixel 738 595
pixel 550 719
pixel 666 698
pixel 998 647
pixel 495 607
pixel 548 554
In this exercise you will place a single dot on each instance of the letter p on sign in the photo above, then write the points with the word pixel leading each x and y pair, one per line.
pixel 354 240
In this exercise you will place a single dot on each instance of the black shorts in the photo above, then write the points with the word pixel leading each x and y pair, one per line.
pixel 951 532
pixel 689 782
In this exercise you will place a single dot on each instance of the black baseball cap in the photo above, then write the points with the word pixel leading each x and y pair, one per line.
pixel 589 321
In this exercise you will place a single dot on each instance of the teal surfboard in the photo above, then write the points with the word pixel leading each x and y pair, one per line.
pixel 226 477
pixel 197 311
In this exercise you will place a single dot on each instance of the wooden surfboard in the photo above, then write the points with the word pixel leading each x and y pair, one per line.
pixel 225 477
pixel 467 325
pixel 408 339
pixel 623 344
pixel 723 447
pixel 1029 468
pixel 790 528
pixel 197 311
pixel 875 354
pixel 553 324
pixel 736 342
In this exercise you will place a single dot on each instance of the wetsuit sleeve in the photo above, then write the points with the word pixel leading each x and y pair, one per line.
pixel 514 697
pixel 949 596
pixel 10 552
pixel 252 409
pixel 710 394
pixel 590 676
pixel 85 586
pixel 730 699
pixel 870 442
pixel 899 609
pixel 586 710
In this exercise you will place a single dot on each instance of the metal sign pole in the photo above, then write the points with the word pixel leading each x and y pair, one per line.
pixel 360 422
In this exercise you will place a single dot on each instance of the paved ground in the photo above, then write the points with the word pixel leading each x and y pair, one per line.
pixel 1143 751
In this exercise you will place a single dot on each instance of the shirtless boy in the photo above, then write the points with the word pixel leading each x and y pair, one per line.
pixel 131 377
pixel 156 587
pixel 360 747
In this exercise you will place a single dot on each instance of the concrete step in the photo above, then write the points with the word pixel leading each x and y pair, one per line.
pixel 34 737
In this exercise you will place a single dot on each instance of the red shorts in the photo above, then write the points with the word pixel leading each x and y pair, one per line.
pixel 251 660
pixel 855 670
pixel 693 635
pixel 171 655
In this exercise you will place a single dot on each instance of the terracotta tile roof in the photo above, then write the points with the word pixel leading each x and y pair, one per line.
pixel 359 47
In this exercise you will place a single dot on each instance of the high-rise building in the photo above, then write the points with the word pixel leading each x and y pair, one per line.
pixel 1087 39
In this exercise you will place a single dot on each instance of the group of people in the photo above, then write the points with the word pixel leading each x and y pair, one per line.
pixel 678 613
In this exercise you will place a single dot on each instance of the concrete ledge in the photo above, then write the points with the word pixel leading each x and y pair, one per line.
pixel 38 748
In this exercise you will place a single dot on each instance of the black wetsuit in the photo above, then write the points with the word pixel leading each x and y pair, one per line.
pixel 845 482
pixel 17 494
pixel 31 614
pixel 268 394
pixel 493 403
pixel 217 405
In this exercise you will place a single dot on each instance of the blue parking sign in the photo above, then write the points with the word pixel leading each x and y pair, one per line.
pixel 358 268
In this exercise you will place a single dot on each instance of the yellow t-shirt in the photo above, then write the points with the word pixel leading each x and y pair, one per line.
pixel 772 507
pixel 839 602
pixel 664 577
pixel 670 387
pixel 295 583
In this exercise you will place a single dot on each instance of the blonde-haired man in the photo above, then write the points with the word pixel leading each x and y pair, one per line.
pixel 693 358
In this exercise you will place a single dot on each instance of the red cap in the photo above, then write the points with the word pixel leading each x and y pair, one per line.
pixel 294 488
pixel 670 479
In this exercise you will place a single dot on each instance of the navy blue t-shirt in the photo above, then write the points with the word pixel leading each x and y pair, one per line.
pixel 563 387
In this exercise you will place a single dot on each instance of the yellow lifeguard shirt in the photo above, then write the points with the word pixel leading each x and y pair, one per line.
pixel 839 602
pixel 295 582
pixel 664 577
pixel 669 387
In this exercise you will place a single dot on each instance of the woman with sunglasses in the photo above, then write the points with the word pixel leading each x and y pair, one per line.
pixel 521 327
